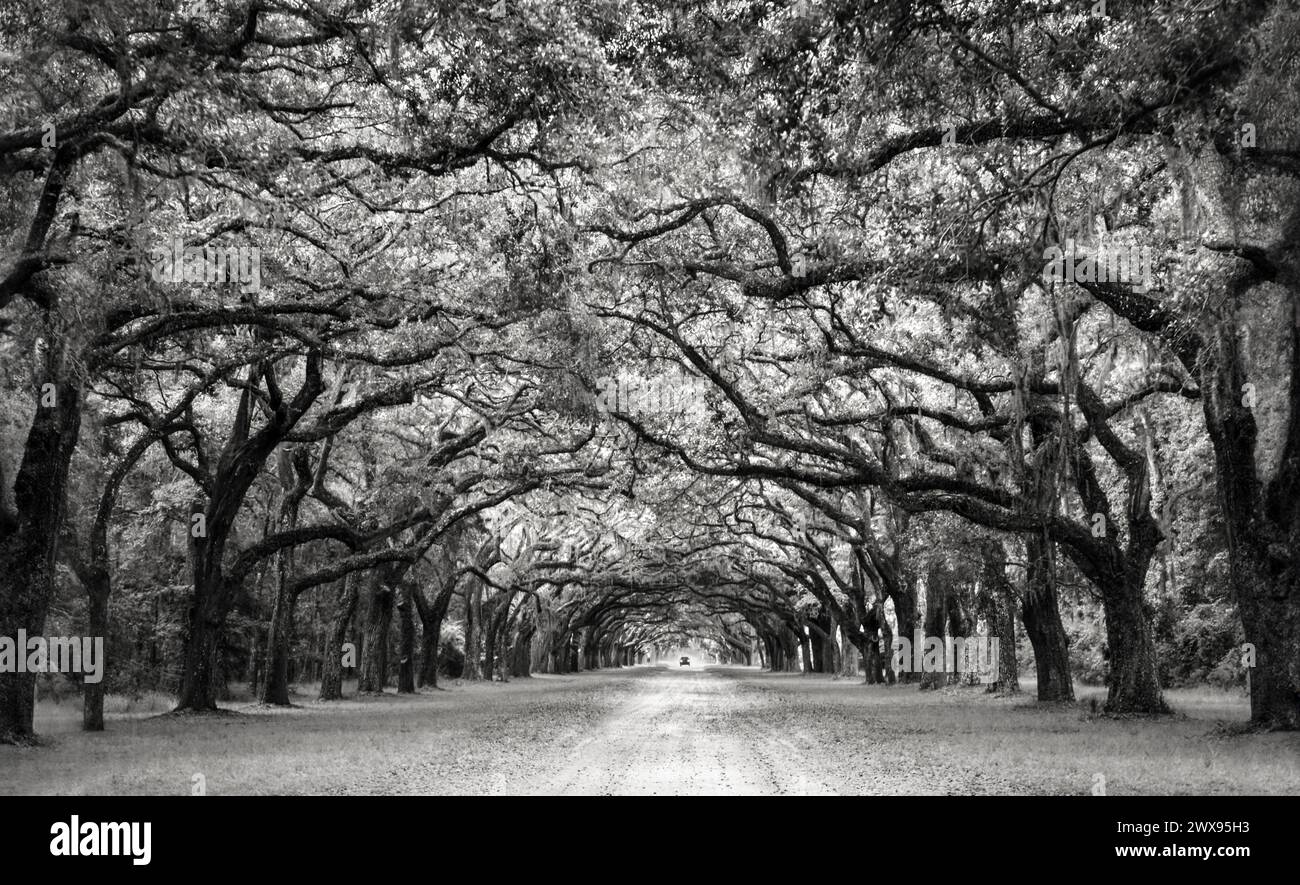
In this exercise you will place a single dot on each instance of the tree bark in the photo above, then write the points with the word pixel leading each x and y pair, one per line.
pixel 520 656
pixel 373 673
pixel 936 597
pixel 406 646
pixel 886 643
pixel 275 683
pixel 960 620
pixel 1133 686
pixel 331 680
pixel 1042 619
pixel 805 649
pixel 473 630
pixel 92 717
pixel 431 626
pixel 848 653
pixel 29 538
pixel 904 598
pixel 200 679
pixel 1259 492
pixel 494 649
pixel 999 598
pixel 874 659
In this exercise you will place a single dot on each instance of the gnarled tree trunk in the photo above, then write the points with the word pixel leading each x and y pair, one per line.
pixel 331 680
pixel 211 527
pixel 29 537
pixel 275 683
pixel 473 631
pixel 998 598
pixel 406 644
pixel 374 644
pixel 92 718
pixel 431 618
pixel 1041 614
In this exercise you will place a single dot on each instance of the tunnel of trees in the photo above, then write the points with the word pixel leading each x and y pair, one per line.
pixel 405 341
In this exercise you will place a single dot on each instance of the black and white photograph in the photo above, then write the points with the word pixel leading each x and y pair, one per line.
pixel 650 398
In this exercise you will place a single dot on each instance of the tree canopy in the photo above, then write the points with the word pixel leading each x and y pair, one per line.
pixel 574 332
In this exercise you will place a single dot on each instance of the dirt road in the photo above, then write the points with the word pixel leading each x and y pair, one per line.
pixel 685 732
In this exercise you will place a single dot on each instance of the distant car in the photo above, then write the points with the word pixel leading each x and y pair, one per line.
pixel 684 662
